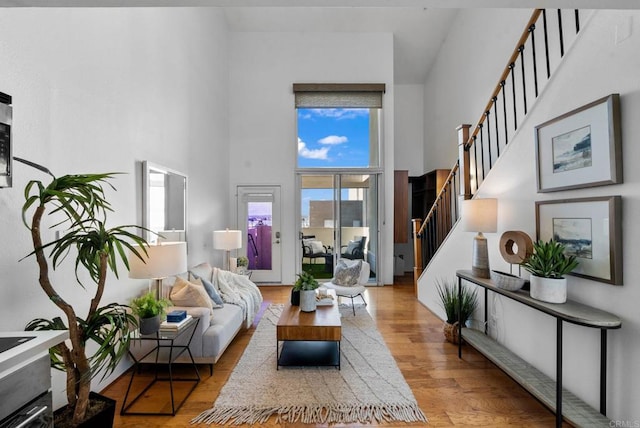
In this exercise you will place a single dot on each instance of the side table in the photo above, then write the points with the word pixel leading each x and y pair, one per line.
pixel 165 351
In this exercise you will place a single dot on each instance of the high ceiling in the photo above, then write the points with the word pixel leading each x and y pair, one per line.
pixel 418 26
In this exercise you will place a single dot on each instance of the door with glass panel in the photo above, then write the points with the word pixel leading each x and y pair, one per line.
pixel 338 220
pixel 259 220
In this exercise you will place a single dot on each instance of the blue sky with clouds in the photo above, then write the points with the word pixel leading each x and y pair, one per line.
pixel 333 138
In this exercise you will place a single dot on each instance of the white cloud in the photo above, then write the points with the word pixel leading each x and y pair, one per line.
pixel 333 140
pixel 338 113
pixel 311 153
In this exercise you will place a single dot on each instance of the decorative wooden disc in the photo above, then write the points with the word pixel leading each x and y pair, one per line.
pixel 522 242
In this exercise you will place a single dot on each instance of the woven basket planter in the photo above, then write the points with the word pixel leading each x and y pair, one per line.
pixel 451 332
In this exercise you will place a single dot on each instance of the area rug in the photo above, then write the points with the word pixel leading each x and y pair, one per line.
pixel 369 387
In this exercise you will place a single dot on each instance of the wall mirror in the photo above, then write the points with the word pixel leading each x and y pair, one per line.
pixel 165 203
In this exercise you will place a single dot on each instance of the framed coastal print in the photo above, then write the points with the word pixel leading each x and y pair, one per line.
pixel 590 229
pixel 581 148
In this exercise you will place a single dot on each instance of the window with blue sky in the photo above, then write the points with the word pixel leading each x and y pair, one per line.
pixel 334 137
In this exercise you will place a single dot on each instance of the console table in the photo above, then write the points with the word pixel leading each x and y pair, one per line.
pixel 539 385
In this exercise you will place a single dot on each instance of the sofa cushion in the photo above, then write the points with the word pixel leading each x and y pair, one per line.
pixel 222 329
pixel 186 293
pixel 203 270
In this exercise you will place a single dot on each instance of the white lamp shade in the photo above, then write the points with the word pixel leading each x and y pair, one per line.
pixel 480 215
pixel 162 260
pixel 227 239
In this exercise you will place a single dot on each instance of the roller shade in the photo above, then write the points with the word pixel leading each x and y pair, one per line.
pixel 349 95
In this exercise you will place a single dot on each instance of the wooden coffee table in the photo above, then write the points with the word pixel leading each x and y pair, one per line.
pixel 309 338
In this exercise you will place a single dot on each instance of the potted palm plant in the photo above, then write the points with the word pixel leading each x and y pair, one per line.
pixel 307 285
pixel 456 314
pixel 150 312
pixel 79 204
pixel 548 264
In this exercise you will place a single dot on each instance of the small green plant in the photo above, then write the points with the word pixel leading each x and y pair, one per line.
pixel 305 281
pixel 148 306
pixel 242 261
pixel 448 293
pixel 549 260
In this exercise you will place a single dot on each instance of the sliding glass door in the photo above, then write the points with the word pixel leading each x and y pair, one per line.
pixel 339 219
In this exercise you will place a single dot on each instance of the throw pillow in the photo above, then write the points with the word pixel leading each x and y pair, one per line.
pixel 346 275
pixel 216 300
pixel 317 247
pixel 351 246
pixel 190 294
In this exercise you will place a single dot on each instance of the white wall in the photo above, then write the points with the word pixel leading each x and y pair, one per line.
pixel 263 67
pixel 99 90
pixel 464 75
pixel 612 68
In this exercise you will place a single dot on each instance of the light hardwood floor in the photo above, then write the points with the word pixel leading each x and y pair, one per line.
pixel 450 391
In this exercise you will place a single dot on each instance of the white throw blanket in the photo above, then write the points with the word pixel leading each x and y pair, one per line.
pixel 239 290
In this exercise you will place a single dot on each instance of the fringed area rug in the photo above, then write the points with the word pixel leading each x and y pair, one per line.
pixel 369 387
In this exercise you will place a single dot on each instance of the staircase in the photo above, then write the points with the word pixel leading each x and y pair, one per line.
pixel 537 54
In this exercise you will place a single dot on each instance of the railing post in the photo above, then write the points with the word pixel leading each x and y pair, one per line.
pixel 417 254
pixel 465 161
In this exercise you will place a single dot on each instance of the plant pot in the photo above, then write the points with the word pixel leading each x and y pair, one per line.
pixel 451 332
pixel 550 290
pixel 100 413
pixel 295 297
pixel 150 325
pixel 307 300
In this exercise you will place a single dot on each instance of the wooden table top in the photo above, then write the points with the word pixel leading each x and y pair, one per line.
pixel 322 324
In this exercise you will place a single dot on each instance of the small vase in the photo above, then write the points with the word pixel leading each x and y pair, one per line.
pixel 295 297
pixel 550 290
pixel 307 300
pixel 150 325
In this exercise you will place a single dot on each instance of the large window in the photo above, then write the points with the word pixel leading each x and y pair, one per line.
pixel 338 169
pixel 338 125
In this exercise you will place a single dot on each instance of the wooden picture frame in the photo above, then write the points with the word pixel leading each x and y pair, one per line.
pixel 581 148
pixel 590 228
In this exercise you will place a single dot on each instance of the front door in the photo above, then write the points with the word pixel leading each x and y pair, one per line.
pixel 259 220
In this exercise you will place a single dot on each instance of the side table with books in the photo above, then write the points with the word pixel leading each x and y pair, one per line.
pixel 171 341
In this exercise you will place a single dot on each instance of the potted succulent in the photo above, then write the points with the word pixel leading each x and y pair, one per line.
pixel 150 312
pixel 548 264
pixel 306 284
pixel 449 300
pixel 78 204
pixel 242 264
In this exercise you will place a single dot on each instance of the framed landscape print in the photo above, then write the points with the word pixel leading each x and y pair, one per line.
pixel 590 229
pixel 581 148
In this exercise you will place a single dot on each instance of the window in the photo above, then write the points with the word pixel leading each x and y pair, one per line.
pixel 338 125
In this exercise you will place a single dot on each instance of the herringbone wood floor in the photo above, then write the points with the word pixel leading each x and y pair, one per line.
pixel 451 392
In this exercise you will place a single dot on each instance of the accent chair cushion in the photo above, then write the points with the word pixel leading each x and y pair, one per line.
pixel 190 294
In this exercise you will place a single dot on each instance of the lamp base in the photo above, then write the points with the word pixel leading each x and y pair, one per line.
pixel 480 258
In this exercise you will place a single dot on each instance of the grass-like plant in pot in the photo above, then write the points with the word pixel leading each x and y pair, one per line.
pixel 150 311
pixel 306 284
pixel 79 208
pixel 548 264
pixel 449 300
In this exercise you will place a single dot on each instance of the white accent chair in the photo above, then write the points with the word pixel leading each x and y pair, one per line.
pixel 356 290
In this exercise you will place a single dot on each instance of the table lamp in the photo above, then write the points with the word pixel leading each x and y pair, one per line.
pixel 227 240
pixel 162 260
pixel 480 215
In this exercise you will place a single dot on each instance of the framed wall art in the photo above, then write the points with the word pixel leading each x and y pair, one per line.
pixel 581 148
pixel 590 229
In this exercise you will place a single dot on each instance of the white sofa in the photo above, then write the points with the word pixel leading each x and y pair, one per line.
pixel 215 331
